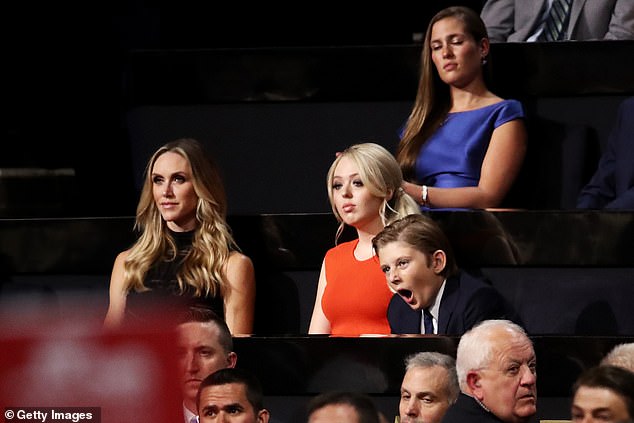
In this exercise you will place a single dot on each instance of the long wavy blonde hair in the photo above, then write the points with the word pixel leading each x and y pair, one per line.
pixel 381 174
pixel 433 100
pixel 203 266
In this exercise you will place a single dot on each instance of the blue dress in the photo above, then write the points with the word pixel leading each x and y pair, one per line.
pixel 453 156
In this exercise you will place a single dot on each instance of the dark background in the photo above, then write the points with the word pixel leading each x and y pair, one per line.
pixel 66 83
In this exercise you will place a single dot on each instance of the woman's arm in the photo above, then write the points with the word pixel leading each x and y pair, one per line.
pixel 239 301
pixel 117 294
pixel 318 322
pixel 501 165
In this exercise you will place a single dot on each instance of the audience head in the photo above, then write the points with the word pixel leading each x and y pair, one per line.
pixel 374 172
pixel 231 394
pixel 621 355
pixel 496 365
pixel 181 170
pixel 183 192
pixel 204 346
pixel 603 394
pixel 342 407
pixel 468 37
pixel 416 257
pixel 429 387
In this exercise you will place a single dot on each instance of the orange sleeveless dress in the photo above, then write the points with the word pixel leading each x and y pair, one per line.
pixel 356 296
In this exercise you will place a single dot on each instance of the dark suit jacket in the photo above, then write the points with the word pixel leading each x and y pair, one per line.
pixel 612 186
pixel 465 302
pixel 515 20
pixel 466 409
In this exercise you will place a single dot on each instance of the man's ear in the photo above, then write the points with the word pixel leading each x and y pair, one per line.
pixel 438 261
pixel 232 359
pixel 474 382
pixel 263 416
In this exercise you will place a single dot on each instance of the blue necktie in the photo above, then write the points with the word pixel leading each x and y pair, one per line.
pixel 428 322
pixel 556 22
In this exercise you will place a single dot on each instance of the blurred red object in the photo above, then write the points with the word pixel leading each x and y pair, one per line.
pixel 130 373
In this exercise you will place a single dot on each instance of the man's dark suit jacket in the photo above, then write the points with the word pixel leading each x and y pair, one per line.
pixel 612 186
pixel 465 301
pixel 466 409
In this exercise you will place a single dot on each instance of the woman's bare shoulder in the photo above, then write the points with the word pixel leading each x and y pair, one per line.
pixel 238 260
pixel 122 256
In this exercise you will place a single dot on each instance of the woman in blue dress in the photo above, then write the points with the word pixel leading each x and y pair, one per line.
pixel 462 145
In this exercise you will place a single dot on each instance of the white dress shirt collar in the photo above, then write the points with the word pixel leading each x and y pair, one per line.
pixel 434 310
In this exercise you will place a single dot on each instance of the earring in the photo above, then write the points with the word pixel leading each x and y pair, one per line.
pixel 483 60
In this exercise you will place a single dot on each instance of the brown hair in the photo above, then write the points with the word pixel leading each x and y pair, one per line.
pixel 422 233
pixel 432 97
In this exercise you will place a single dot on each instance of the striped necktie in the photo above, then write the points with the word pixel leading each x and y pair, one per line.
pixel 556 22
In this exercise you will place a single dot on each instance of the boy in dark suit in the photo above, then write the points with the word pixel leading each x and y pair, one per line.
pixel 432 295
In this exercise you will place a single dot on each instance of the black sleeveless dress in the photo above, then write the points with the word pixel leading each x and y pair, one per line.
pixel 164 290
